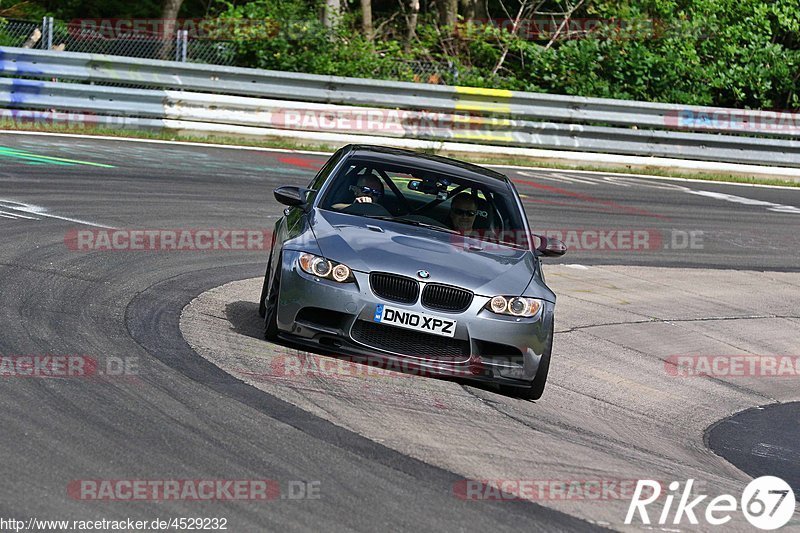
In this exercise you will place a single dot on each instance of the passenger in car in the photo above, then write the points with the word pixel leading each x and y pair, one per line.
pixel 462 212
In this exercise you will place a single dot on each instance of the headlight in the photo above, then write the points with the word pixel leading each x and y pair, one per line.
pixel 341 273
pixel 323 268
pixel 514 306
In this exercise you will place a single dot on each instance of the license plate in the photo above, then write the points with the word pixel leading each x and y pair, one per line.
pixel 416 321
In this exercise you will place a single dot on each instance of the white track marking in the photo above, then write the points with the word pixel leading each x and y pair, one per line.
pixel 29 209
pixel 785 209
pixel 624 181
pixel 561 179
pixel 16 215
pixel 643 177
pixel 614 181
pixel 619 181
pixel 558 180
pixel 571 179
pixel 771 206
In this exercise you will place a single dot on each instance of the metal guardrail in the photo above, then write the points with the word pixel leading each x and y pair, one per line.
pixel 262 100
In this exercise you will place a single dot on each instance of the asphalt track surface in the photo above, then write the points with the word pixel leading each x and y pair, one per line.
pixel 182 417
pixel 762 441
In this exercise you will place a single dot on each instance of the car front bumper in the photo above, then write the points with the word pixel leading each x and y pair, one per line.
pixel 500 349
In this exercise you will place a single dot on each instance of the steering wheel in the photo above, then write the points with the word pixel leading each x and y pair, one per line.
pixel 370 209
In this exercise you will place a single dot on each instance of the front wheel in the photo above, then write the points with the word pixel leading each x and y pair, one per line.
pixel 262 308
pixel 271 305
pixel 535 391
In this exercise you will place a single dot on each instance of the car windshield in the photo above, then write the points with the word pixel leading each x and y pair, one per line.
pixel 421 197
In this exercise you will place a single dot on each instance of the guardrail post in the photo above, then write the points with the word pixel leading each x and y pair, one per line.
pixel 43 40
pixel 185 44
pixel 453 71
pixel 49 33
pixel 181 45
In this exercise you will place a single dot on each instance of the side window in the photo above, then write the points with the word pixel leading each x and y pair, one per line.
pixel 340 192
pixel 319 180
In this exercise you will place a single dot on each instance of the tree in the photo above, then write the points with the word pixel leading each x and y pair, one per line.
pixel 411 23
pixel 12 9
pixel 366 18
pixel 169 14
pixel 474 9
pixel 170 9
pixel 332 13
pixel 448 13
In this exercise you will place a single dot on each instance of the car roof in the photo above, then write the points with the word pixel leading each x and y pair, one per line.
pixel 424 161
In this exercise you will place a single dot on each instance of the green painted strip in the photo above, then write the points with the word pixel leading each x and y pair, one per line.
pixel 21 154
pixel 28 158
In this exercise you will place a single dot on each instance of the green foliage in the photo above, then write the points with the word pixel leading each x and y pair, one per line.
pixel 738 53
pixel 10 9
pixel 5 38
pixel 74 9
pixel 733 53
pixel 284 37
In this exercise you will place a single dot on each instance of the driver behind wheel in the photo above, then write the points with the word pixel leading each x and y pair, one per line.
pixel 368 189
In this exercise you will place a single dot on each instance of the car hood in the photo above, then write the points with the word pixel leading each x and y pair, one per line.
pixel 368 245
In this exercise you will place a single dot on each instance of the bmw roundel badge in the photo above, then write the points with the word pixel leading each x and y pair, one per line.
pixel 424 274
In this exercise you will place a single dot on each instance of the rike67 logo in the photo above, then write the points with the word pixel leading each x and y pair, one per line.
pixel 767 503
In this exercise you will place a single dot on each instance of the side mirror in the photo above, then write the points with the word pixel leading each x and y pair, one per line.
pixel 550 247
pixel 291 196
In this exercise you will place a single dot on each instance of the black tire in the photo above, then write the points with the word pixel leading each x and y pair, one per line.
pixel 262 308
pixel 536 389
pixel 271 305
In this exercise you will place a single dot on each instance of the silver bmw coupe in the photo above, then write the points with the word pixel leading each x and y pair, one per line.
pixel 415 260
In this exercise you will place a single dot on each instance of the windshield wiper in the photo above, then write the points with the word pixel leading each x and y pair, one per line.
pixel 413 223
